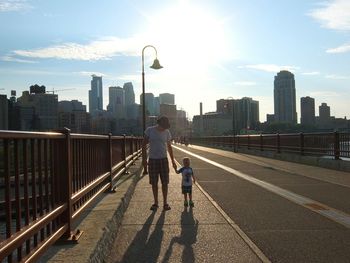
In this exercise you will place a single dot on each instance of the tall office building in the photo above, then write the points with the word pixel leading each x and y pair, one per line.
pixel 149 100
pixel 156 106
pixel 117 102
pixel 73 115
pixel 284 97
pixel 3 112
pixel 307 109
pixel 129 93
pixel 247 113
pixel 43 105
pixel 96 94
pixel 166 98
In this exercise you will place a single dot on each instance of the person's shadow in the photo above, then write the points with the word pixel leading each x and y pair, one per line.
pixel 188 236
pixel 142 248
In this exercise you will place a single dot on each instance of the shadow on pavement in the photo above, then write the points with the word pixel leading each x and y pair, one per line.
pixel 188 236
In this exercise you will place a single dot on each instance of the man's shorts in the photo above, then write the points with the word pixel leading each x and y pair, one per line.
pixel 187 189
pixel 158 168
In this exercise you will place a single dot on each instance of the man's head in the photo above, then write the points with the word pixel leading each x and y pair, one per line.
pixel 163 122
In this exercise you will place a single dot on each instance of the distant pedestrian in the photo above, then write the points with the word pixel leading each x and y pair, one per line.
pixel 187 178
pixel 159 139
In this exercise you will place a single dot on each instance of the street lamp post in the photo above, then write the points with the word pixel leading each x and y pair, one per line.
pixel 155 65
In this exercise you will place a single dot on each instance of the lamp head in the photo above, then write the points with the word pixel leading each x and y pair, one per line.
pixel 156 64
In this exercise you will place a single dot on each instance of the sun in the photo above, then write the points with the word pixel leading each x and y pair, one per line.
pixel 188 37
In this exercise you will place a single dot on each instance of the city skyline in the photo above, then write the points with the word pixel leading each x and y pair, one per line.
pixel 235 51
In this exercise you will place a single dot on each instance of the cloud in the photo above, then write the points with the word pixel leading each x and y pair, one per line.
pixel 333 14
pixel 312 73
pixel 13 5
pixel 245 83
pixel 270 67
pixel 333 76
pixel 13 59
pixel 89 73
pixel 341 49
pixel 102 49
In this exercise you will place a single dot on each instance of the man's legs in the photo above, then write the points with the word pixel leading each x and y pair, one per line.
pixel 165 193
pixel 155 192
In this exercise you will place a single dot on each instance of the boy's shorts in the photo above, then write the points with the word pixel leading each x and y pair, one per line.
pixel 187 189
pixel 158 168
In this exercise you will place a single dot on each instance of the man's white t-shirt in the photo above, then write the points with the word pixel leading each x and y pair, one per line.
pixel 157 142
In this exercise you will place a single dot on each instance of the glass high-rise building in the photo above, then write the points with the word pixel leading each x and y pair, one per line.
pixel 129 93
pixel 284 97
pixel 96 94
pixel 166 98
pixel 117 102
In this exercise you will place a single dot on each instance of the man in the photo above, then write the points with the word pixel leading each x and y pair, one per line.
pixel 159 139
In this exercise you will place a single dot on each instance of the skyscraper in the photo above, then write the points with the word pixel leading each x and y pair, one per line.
pixel 96 94
pixel 129 93
pixel 284 97
pixel 117 102
pixel 149 100
pixel 166 98
pixel 3 112
pixel 307 109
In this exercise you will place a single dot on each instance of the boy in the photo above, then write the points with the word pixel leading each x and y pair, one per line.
pixel 187 177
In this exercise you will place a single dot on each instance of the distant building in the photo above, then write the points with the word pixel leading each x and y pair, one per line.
pixel 3 112
pixel 307 109
pixel 270 118
pixel 166 98
pixel 170 111
pixel 156 106
pixel 214 123
pixel 117 102
pixel 149 100
pixel 96 94
pixel 284 97
pixel 73 115
pixel 324 112
pixel 45 107
pixel 129 93
pixel 102 122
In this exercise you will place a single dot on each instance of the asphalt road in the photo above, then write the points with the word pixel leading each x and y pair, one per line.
pixel 284 230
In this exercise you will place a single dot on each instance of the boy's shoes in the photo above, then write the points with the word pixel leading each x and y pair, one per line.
pixel 185 203
pixel 191 204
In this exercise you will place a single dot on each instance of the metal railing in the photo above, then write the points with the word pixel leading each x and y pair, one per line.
pixel 317 144
pixel 47 179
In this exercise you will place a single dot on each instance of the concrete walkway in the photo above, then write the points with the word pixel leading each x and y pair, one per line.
pixel 201 234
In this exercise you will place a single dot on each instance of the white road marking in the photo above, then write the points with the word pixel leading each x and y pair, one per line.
pixel 322 209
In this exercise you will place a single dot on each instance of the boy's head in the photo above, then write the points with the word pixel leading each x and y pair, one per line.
pixel 186 161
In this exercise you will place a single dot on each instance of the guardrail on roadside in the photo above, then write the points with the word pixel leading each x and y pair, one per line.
pixel 46 181
pixel 334 144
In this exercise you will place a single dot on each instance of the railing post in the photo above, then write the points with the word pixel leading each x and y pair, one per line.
pixel 110 162
pixel 132 149
pixel 278 143
pixel 336 146
pixel 124 153
pixel 248 142
pixel 301 143
pixel 261 143
pixel 66 186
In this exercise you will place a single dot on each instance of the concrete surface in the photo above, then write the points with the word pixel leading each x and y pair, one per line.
pixel 199 234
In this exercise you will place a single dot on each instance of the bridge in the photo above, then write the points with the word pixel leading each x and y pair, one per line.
pixel 248 208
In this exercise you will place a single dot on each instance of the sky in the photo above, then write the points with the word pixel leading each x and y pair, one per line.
pixel 210 49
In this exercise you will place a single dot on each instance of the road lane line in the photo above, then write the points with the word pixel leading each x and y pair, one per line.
pixel 229 220
pixel 317 207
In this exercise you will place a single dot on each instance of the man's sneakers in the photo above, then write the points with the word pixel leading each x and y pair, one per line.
pixel 191 203
pixel 185 203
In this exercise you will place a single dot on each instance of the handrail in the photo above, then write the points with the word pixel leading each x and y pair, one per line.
pixel 55 176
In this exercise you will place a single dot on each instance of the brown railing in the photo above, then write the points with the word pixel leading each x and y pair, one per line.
pixel 47 179
pixel 318 144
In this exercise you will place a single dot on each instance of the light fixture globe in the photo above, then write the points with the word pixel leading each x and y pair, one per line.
pixel 156 64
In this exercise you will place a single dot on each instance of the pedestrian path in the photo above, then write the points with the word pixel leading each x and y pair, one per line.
pixel 199 234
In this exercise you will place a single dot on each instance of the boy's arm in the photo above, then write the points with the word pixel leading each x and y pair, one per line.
pixel 193 177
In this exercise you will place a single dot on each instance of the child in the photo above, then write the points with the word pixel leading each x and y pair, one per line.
pixel 187 176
